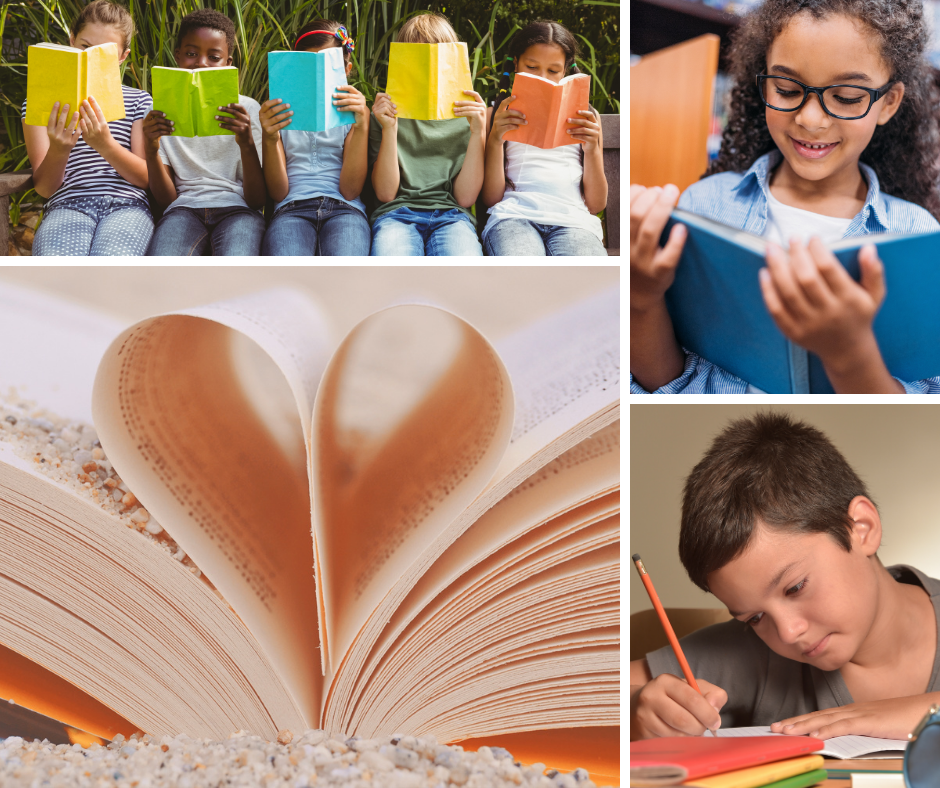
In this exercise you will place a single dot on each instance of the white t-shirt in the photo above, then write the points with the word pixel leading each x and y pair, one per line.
pixel 548 188
pixel 785 221
pixel 207 171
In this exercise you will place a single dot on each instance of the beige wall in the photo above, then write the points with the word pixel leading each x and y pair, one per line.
pixel 894 448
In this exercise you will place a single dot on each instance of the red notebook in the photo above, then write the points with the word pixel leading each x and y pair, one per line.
pixel 673 759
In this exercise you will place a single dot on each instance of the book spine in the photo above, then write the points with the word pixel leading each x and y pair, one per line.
pixel 82 77
pixel 436 108
pixel 556 129
pixel 799 369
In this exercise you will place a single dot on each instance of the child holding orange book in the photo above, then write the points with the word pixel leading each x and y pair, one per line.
pixel 92 171
pixel 543 202
pixel 426 173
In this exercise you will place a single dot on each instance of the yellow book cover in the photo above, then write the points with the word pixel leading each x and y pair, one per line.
pixel 755 776
pixel 69 76
pixel 424 80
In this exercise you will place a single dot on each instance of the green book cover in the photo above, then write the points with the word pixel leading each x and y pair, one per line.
pixel 800 780
pixel 191 97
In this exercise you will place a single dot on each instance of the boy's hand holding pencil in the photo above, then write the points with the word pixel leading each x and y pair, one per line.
pixel 668 705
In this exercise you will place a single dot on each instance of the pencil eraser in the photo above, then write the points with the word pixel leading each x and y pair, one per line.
pixel 636 556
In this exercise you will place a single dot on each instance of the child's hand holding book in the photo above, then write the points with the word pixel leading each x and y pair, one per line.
pixel 94 126
pixel 63 129
pixel 235 118
pixel 505 119
pixel 385 111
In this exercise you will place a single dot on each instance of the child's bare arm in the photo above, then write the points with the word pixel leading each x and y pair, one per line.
pixel 668 706
pixel 588 132
pixel 886 719
pixel 48 148
pixel 274 116
pixel 494 177
pixel 469 180
pixel 157 125
pixel 129 164
pixel 386 177
pixel 352 176
pixel 817 305
pixel 237 119
pixel 655 355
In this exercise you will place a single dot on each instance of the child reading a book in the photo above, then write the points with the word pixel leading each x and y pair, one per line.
pixel 827 641
pixel 212 187
pixel 92 171
pixel 316 177
pixel 542 202
pixel 831 134
pixel 426 173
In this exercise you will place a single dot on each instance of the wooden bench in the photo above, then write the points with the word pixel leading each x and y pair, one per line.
pixel 14 182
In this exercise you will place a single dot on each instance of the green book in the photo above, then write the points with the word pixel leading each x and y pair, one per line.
pixel 800 780
pixel 191 97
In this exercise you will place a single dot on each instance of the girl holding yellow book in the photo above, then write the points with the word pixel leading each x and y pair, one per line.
pixel 92 171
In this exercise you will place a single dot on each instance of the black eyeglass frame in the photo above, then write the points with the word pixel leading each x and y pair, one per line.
pixel 874 94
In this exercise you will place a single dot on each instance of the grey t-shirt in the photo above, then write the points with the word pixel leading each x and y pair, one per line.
pixel 207 171
pixel 762 686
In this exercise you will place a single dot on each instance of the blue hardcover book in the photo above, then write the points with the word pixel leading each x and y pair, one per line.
pixel 306 81
pixel 718 310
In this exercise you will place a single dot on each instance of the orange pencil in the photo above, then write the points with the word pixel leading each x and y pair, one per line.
pixel 670 633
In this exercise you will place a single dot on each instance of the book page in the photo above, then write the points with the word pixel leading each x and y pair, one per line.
pixel 194 442
pixel 844 747
pixel 410 421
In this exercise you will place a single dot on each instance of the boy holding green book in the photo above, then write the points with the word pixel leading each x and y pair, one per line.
pixel 212 186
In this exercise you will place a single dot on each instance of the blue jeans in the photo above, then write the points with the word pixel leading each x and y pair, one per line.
pixel 432 233
pixel 320 225
pixel 191 231
pixel 94 226
pixel 521 238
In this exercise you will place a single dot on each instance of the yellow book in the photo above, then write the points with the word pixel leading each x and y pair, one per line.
pixel 755 776
pixel 69 76
pixel 424 80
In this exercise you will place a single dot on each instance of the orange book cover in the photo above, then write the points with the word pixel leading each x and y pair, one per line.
pixel 547 106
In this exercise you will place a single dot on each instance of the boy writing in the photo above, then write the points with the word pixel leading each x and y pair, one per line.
pixel 827 641
pixel 214 186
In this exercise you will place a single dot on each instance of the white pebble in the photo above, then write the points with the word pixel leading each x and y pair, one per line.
pixel 153 527
pixel 141 516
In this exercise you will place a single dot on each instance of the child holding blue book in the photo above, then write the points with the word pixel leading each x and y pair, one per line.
pixel 212 187
pixel 426 173
pixel 831 134
pixel 316 177
pixel 92 171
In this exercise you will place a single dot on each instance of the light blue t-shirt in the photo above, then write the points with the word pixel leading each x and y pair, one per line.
pixel 314 162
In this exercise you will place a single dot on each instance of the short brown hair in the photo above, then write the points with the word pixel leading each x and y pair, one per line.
pixel 769 469
pixel 428 28
pixel 104 12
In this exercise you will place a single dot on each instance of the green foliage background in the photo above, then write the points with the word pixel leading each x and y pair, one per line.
pixel 264 25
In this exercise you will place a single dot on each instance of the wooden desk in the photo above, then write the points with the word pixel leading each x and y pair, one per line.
pixel 889 765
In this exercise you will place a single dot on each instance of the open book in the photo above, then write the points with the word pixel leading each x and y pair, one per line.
pixel 306 81
pixel 412 530
pixel 718 310
pixel 424 80
pixel 839 746
pixel 191 97
pixel 547 106
pixel 70 75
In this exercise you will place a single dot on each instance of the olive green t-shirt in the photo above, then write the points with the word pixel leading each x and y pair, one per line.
pixel 762 686
pixel 430 155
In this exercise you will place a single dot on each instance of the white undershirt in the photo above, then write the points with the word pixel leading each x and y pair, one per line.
pixel 785 221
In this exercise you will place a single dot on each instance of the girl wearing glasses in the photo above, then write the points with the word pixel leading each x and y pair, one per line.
pixel 830 135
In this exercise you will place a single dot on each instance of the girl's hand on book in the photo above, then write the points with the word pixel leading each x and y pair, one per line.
pixel 385 111
pixel 156 125
pixel 506 119
pixel 886 719
pixel 236 119
pixel 275 115
pixel 474 111
pixel 63 132
pixel 668 706
pixel 817 305
pixel 588 131
pixel 348 99
pixel 652 267
pixel 94 127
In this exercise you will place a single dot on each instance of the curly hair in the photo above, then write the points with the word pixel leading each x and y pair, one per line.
pixel 214 20
pixel 902 152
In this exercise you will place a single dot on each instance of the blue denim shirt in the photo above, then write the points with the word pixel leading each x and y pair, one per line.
pixel 314 162
pixel 740 200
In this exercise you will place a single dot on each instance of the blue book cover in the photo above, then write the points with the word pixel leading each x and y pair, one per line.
pixel 306 81
pixel 718 310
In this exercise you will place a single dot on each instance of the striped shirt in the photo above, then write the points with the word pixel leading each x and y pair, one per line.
pixel 741 200
pixel 87 173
